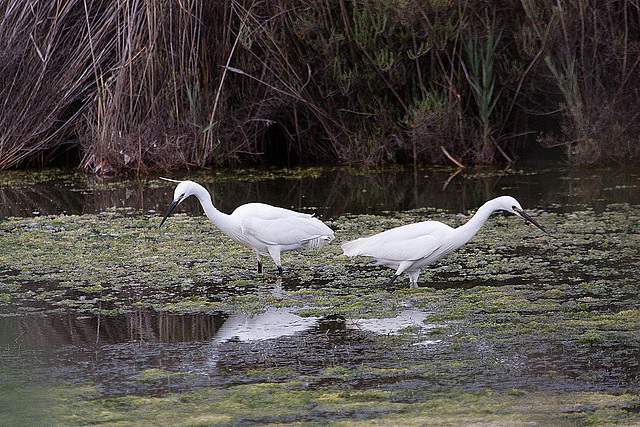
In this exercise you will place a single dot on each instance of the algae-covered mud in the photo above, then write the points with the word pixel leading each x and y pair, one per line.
pixel 106 319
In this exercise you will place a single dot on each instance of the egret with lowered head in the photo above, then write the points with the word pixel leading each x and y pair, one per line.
pixel 410 247
pixel 266 229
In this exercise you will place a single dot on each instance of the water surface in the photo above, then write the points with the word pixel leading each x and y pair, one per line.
pixel 329 192
pixel 533 313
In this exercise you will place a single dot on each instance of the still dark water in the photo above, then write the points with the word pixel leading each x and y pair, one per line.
pixel 216 349
pixel 330 193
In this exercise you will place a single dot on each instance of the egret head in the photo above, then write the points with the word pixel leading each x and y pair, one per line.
pixel 510 204
pixel 182 191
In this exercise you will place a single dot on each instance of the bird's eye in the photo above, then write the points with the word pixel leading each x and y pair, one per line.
pixel 513 207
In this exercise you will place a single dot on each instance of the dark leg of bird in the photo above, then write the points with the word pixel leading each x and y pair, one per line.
pixel 395 276
pixel 280 270
pixel 259 266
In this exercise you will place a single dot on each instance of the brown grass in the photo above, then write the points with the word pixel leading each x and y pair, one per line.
pixel 138 85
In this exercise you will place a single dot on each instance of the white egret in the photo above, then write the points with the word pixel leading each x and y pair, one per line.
pixel 410 247
pixel 266 229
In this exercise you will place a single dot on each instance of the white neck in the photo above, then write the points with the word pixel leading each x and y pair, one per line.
pixel 226 223
pixel 467 231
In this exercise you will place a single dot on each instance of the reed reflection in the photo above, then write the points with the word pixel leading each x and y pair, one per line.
pixel 330 192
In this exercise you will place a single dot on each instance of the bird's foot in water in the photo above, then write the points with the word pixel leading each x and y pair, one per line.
pixel 280 269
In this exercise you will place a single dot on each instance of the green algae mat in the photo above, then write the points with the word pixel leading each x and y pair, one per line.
pixel 107 319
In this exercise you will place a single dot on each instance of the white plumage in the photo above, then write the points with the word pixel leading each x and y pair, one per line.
pixel 411 247
pixel 266 229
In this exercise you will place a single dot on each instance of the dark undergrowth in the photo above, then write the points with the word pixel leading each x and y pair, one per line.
pixel 140 85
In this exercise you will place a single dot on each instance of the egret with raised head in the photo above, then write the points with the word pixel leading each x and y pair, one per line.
pixel 266 229
pixel 410 247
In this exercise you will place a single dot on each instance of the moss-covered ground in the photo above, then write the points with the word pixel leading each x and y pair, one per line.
pixel 528 328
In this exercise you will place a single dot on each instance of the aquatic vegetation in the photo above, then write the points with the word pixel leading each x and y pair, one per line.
pixel 291 402
pixel 24 178
pixel 509 314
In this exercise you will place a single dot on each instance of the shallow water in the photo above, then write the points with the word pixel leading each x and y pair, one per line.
pixel 539 313
pixel 327 192
pixel 215 349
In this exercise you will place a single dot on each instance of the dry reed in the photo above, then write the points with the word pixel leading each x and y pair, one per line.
pixel 136 85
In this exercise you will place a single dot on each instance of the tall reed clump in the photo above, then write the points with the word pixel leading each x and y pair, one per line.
pixel 126 83
pixel 46 78
pixel 594 64
pixel 146 110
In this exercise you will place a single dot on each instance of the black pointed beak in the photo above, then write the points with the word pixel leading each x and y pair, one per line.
pixel 526 216
pixel 171 208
